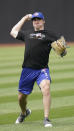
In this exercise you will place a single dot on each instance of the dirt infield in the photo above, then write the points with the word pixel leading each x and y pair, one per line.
pixel 22 44
pixel 70 43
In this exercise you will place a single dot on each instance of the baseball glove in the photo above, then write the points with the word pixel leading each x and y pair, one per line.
pixel 59 46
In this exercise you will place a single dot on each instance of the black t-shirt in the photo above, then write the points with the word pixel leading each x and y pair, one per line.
pixel 37 47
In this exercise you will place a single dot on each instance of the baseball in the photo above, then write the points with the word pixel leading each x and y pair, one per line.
pixel 30 15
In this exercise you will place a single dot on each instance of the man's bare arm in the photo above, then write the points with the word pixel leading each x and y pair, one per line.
pixel 18 26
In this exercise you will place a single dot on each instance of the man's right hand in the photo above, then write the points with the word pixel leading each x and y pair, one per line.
pixel 28 17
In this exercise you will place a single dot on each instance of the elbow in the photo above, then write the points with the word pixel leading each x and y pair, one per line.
pixel 11 33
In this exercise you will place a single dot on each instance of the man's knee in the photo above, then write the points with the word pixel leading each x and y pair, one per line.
pixel 46 91
pixel 45 87
pixel 21 96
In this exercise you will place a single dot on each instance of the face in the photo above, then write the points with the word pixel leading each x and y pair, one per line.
pixel 38 23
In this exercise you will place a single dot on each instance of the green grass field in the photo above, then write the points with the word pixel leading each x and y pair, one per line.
pixel 62 92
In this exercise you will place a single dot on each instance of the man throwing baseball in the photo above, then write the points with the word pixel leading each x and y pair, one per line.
pixel 38 44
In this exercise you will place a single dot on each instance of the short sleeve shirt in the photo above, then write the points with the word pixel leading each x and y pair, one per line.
pixel 37 47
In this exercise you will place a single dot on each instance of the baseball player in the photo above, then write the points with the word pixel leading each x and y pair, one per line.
pixel 38 44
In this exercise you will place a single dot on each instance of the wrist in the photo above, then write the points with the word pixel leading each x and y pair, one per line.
pixel 25 19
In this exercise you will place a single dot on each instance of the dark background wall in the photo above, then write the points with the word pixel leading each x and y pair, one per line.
pixel 59 16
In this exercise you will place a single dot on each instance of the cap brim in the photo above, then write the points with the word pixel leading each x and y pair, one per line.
pixel 36 17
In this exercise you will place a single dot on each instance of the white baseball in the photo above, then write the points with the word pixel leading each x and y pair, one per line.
pixel 30 15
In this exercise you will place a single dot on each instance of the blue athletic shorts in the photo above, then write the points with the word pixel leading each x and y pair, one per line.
pixel 30 76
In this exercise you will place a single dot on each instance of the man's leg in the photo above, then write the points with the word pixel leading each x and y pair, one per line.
pixel 26 83
pixel 24 111
pixel 45 88
pixel 22 102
